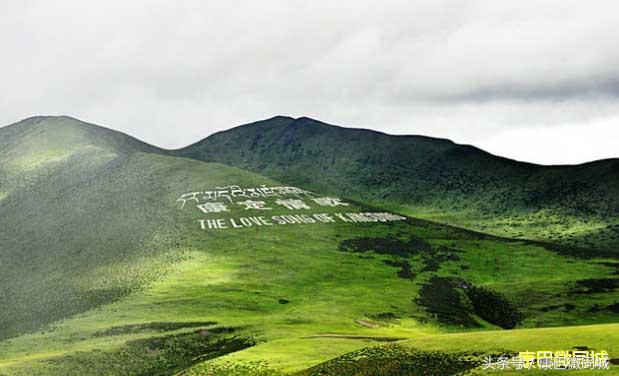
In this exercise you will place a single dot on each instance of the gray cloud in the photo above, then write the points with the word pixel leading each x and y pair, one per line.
pixel 173 72
pixel 590 90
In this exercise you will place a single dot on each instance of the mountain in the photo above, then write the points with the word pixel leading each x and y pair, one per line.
pixel 430 178
pixel 68 209
pixel 119 258
pixel 86 217
pixel 35 147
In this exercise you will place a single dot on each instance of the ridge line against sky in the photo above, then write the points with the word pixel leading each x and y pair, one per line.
pixel 535 81
pixel 200 139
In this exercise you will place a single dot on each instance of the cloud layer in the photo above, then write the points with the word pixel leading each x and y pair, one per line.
pixel 532 80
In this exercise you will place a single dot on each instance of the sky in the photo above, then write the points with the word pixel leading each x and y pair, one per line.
pixel 536 81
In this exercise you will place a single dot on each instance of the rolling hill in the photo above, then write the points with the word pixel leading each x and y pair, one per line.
pixel 57 226
pixel 119 258
pixel 430 178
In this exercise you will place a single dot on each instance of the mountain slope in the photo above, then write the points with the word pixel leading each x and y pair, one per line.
pixel 110 264
pixel 66 209
pixel 33 148
pixel 432 178
pixel 84 218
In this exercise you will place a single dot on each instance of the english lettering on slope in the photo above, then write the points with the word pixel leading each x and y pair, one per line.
pixel 259 201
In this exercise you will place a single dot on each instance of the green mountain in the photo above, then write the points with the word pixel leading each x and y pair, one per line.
pixel 119 258
pixel 69 203
pixel 430 178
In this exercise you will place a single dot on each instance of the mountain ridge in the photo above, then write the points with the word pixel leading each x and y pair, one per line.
pixel 431 178
pixel 104 272
pixel 58 123
pixel 303 119
pixel 377 132
pixel 419 174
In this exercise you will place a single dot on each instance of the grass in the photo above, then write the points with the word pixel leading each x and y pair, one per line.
pixel 103 273
pixel 328 291
pixel 430 178
pixel 594 337
pixel 547 225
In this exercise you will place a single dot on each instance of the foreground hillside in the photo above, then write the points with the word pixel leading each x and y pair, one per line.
pixel 118 259
pixel 430 178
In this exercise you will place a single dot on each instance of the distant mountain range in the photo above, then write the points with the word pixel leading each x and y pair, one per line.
pixel 429 178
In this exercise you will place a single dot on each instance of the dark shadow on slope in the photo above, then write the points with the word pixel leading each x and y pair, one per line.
pixel 153 326
pixel 392 360
pixel 155 356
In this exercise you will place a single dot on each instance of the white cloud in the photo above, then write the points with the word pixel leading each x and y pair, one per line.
pixel 565 144
pixel 173 72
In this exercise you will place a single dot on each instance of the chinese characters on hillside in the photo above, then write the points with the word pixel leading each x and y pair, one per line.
pixel 256 202
pixel 234 192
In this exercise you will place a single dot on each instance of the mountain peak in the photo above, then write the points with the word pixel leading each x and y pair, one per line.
pixel 68 133
pixel 280 117
pixel 41 118
pixel 306 119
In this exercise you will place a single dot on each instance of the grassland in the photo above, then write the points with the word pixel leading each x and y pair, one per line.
pixel 469 351
pixel 336 301
pixel 103 274
pixel 428 177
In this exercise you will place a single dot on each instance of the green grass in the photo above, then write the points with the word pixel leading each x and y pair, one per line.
pixel 547 225
pixel 428 177
pixel 445 354
pixel 103 273
pixel 595 337
pixel 236 278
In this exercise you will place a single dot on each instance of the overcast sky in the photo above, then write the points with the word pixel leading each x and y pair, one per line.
pixel 531 80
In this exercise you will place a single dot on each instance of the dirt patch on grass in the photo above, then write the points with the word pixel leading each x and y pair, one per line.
pixel 388 317
pixel 368 324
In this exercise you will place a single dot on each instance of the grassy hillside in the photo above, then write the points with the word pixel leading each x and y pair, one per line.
pixel 33 148
pixel 430 178
pixel 81 219
pixel 441 351
pixel 103 273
